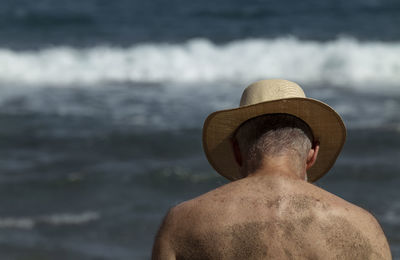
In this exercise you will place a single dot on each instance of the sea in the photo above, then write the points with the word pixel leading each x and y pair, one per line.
pixel 102 105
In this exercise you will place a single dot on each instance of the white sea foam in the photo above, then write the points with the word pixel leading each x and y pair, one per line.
pixel 54 219
pixel 70 219
pixel 23 223
pixel 341 62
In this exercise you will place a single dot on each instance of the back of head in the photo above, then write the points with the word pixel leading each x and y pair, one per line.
pixel 272 135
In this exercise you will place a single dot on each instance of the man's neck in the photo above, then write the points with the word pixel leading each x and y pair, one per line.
pixel 281 166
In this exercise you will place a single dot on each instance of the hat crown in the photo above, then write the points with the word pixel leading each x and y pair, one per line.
pixel 268 90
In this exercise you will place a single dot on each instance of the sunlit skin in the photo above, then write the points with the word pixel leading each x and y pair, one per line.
pixel 273 213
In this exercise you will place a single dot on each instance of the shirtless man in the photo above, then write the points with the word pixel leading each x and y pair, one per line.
pixel 269 147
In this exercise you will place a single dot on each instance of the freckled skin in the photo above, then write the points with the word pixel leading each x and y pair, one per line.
pixel 264 217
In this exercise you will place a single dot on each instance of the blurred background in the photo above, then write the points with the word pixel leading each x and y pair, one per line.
pixel 102 105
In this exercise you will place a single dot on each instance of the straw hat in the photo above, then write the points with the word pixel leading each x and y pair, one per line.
pixel 269 97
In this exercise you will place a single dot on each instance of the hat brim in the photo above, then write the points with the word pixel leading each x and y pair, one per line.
pixel 327 127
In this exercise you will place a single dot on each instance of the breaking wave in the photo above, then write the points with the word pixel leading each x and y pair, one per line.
pixel 344 61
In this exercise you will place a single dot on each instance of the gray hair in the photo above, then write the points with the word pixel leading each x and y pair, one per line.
pixel 272 135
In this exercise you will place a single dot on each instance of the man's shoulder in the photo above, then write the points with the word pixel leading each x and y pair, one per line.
pixel 216 206
pixel 340 207
pixel 354 226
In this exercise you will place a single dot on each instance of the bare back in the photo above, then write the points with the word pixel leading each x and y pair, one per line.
pixel 270 218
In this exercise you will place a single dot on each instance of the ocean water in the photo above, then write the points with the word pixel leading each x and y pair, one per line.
pixel 102 105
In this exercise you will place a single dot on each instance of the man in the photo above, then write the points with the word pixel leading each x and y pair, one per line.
pixel 269 147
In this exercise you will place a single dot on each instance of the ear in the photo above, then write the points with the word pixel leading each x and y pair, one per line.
pixel 312 155
pixel 236 151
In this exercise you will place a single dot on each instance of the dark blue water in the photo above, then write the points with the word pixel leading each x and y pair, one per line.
pixel 102 105
pixel 27 24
